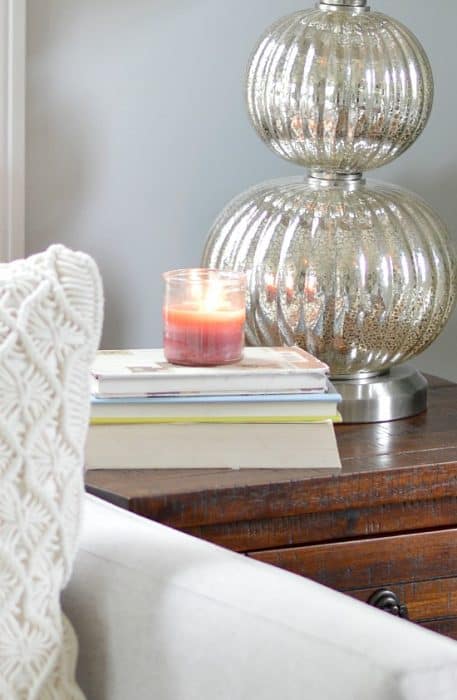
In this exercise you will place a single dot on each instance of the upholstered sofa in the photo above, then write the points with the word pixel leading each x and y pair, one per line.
pixel 158 615
pixel 162 615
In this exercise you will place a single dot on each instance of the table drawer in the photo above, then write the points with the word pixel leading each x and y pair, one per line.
pixel 426 600
pixel 420 568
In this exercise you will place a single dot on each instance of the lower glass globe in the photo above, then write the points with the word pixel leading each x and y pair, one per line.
pixel 361 275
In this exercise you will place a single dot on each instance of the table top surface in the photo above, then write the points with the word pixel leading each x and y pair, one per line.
pixel 409 459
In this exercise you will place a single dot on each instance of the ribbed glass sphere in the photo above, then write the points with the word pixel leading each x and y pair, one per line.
pixel 345 90
pixel 362 275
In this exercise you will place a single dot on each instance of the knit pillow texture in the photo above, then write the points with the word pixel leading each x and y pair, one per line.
pixel 51 308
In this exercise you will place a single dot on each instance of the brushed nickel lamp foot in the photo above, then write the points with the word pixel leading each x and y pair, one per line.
pixel 398 393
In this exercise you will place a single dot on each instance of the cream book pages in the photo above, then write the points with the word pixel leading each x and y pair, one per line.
pixel 231 446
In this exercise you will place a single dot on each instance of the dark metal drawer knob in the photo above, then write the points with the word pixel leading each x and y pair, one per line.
pixel 388 602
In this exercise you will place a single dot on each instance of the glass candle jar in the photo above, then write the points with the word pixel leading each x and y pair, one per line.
pixel 204 313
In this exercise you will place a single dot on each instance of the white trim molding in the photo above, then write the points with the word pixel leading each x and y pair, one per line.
pixel 12 128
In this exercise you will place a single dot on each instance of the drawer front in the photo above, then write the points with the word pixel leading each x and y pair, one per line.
pixel 376 520
pixel 421 569
pixel 426 601
pixel 448 627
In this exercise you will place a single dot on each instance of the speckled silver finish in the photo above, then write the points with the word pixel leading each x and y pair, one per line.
pixel 340 91
pixel 361 275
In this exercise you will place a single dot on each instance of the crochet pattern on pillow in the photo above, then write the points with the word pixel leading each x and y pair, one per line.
pixel 51 308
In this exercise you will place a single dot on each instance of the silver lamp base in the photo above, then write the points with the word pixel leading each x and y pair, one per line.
pixel 399 393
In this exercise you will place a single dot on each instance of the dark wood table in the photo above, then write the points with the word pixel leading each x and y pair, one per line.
pixel 387 521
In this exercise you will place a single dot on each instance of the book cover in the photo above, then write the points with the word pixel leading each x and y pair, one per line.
pixel 146 372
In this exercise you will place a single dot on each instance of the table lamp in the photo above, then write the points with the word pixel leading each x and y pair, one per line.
pixel 361 274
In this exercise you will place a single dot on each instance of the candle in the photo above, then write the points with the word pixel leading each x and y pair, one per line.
pixel 310 288
pixel 271 289
pixel 288 285
pixel 204 315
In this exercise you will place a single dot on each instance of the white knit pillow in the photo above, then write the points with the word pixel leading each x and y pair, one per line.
pixel 51 309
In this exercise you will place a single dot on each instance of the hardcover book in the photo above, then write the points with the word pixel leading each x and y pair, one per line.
pixel 262 370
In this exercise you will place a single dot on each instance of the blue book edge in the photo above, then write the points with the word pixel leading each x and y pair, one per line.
pixel 232 398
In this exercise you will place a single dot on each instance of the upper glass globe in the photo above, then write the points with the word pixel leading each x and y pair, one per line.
pixel 341 90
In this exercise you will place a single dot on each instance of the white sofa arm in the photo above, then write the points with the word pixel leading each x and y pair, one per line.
pixel 163 615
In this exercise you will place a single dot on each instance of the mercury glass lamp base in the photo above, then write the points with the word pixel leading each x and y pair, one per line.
pixel 400 393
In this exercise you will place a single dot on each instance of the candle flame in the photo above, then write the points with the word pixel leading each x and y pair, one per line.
pixel 207 295
pixel 212 299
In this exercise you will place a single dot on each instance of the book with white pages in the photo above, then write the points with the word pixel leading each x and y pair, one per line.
pixel 303 445
pixel 261 370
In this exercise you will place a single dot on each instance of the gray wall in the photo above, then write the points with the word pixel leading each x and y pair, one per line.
pixel 137 136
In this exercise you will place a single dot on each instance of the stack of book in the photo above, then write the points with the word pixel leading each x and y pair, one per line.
pixel 274 409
